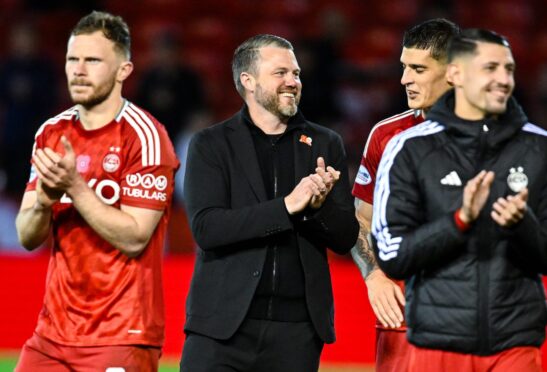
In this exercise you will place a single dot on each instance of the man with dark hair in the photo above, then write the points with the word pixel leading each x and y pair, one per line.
pixel 424 60
pixel 264 207
pixel 101 180
pixel 475 245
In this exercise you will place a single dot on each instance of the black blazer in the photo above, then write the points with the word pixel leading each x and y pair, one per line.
pixel 231 219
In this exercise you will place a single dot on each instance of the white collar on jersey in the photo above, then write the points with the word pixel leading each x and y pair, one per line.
pixel 419 113
pixel 120 114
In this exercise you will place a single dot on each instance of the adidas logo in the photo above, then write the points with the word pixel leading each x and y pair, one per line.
pixel 451 179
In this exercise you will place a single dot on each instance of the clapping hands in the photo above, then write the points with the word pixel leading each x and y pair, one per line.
pixel 313 189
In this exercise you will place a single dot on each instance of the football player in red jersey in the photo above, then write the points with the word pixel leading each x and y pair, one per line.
pixel 424 62
pixel 101 180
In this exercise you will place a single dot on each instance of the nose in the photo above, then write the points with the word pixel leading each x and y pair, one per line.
pixel 406 77
pixel 291 80
pixel 79 68
pixel 504 77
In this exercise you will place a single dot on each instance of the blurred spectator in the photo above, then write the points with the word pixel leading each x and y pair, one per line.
pixel 50 5
pixel 170 90
pixel 197 121
pixel 320 60
pixel 28 96
pixel 539 98
pixel 8 238
pixel 179 237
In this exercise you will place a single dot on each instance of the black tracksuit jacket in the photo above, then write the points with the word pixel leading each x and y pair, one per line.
pixel 478 291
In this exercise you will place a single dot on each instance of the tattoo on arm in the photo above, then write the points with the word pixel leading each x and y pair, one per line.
pixel 363 254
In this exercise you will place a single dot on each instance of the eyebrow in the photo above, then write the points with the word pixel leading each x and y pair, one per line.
pixel 414 65
pixel 499 63
pixel 285 69
pixel 84 58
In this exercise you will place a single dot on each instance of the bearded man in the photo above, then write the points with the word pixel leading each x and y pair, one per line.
pixel 101 181
pixel 267 192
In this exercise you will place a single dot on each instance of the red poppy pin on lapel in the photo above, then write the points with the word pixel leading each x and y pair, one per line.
pixel 305 139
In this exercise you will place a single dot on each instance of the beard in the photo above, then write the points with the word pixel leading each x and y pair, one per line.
pixel 272 103
pixel 98 95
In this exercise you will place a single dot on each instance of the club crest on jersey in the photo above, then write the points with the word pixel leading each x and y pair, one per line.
pixel 363 176
pixel 82 163
pixel 111 163
pixel 517 180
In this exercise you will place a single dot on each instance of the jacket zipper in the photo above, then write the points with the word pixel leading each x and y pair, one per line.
pixel 484 263
pixel 274 248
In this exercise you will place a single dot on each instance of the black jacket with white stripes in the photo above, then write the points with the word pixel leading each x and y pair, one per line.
pixel 476 292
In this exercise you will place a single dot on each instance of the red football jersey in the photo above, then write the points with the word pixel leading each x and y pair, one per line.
pixel 96 295
pixel 378 138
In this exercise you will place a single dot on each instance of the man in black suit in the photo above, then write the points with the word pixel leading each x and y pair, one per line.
pixel 264 207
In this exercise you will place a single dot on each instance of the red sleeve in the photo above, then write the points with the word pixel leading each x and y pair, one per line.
pixel 48 135
pixel 149 185
pixel 363 188
pixel 39 141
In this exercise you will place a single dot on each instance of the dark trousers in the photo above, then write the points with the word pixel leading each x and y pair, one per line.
pixel 257 346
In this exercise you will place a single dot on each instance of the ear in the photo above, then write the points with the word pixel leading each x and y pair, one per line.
pixel 125 69
pixel 248 81
pixel 454 74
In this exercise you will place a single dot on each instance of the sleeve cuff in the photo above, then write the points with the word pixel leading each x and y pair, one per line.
pixel 460 224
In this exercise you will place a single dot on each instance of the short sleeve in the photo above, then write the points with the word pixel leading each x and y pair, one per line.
pixel 363 188
pixel 149 183
pixel 39 143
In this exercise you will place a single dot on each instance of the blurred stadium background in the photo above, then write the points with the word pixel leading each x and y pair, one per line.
pixel 348 50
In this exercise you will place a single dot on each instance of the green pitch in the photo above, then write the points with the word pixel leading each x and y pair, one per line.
pixel 8 361
pixel 7 364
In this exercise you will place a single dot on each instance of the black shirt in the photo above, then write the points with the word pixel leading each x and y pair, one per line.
pixel 280 294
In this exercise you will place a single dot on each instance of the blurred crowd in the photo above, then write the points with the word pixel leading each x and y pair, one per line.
pixel 348 51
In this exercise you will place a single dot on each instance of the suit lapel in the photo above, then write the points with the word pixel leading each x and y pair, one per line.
pixel 245 153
